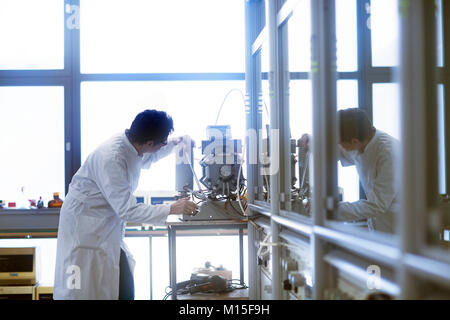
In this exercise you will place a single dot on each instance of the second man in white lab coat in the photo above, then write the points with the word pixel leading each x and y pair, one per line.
pixel 375 155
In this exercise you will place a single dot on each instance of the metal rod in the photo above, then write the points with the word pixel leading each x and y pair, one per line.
pixel 324 145
pixel 274 88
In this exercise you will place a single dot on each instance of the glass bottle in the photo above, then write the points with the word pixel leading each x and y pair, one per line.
pixel 56 202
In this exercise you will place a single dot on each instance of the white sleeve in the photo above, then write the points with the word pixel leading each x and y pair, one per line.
pixel 149 158
pixel 113 183
pixel 379 199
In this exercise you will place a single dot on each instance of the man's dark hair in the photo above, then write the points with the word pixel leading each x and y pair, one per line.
pixel 151 125
pixel 354 123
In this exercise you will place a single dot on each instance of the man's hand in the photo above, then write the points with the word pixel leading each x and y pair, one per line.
pixel 184 139
pixel 304 141
pixel 183 206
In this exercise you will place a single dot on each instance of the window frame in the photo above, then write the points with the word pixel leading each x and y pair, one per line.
pixel 71 77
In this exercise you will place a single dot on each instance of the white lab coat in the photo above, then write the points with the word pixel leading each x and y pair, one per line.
pixel 93 217
pixel 377 172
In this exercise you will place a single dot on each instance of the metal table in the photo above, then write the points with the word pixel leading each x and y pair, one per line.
pixel 174 225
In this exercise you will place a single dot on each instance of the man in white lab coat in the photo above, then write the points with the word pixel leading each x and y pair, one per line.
pixel 375 155
pixel 92 260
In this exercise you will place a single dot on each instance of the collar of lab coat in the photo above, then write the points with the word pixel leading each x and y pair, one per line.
pixel 368 150
pixel 130 146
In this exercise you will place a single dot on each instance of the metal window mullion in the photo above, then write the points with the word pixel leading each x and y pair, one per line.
pixel 275 143
pixel 418 107
pixel 253 122
pixel 324 131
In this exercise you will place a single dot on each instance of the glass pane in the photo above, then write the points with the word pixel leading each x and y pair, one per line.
pixel 299 38
pixel 162 36
pixel 300 103
pixel 139 248
pixel 348 180
pixel 193 106
pixel 385 33
pixel 386 108
pixel 300 113
pixel 32 34
pixel 346 36
pixel 32 143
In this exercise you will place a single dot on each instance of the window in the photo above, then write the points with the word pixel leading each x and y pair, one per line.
pixel 185 101
pixel 32 143
pixel 348 179
pixel 384 22
pixel 299 38
pixel 347 56
pixel 30 26
pixel 386 108
pixel 300 103
pixel 162 36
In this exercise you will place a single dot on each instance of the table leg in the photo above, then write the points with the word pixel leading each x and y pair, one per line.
pixel 173 261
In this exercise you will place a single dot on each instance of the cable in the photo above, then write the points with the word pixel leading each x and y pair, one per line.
pixel 268 188
pixel 226 96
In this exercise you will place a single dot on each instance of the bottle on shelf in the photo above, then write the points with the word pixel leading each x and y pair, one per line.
pixel 40 203
pixel 56 202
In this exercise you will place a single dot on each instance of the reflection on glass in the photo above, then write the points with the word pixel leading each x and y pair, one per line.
pixel 32 142
pixel 162 36
pixel 29 26
pixel 346 35
pixel 299 38
pixel 384 23
pixel 374 154
pixel 264 102
pixel 386 108
pixel 188 102
pixel 348 181
pixel 300 104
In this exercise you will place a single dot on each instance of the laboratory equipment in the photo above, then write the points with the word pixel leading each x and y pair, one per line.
pixel 222 176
